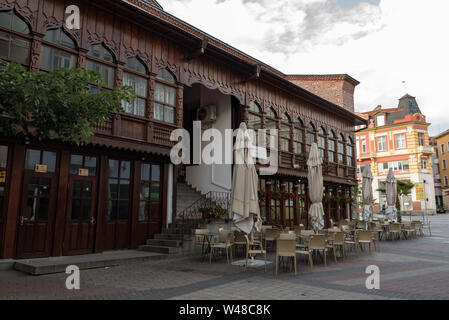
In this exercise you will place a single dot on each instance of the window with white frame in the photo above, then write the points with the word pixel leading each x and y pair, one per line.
pixel 363 144
pixel 421 139
pixel 165 96
pixel 382 143
pixel 380 121
pixel 402 165
pixel 424 164
pixel 442 149
pixel 400 141
pixel 444 165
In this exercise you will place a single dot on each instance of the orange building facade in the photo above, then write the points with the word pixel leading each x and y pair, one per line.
pixel 397 138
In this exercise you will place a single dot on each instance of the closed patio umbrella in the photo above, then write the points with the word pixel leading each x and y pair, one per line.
pixel 367 192
pixel 392 193
pixel 244 199
pixel 315 177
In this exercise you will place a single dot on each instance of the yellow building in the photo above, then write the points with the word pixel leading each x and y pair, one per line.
pixel 443 163
pixel 397 138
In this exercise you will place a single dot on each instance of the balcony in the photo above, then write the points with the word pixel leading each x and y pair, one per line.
pixel 425 149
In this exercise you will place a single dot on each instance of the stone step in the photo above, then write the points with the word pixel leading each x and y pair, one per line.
pixel 164 242
pixel 168 236
pixel 88 261
pixel 158 249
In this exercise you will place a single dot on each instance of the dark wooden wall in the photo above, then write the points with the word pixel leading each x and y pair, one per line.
pixel 128 33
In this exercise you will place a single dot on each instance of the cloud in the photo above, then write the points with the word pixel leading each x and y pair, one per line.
pixel 379 44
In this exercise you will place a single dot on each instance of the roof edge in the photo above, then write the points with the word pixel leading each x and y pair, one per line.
pixel 342 76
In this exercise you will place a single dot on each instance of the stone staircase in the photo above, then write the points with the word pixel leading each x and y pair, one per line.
pixel 170 240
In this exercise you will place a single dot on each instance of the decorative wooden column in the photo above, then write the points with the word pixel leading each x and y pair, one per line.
pixel 282 207
pixel 297 206
pixel 36 50
pixel 61 205
pixel 12 206
pixel 101 207
pixel 179 105
pixel 307 205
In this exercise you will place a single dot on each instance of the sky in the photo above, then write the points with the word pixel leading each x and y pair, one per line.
pixel 392 47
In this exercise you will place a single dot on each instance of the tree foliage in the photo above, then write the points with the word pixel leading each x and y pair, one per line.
pixel 59 105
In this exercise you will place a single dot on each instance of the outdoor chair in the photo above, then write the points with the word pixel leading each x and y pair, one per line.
pixel 254 248
pixel 408 229
pixel 239 239
pixel 394 231
pixel 365 237
pixel 270 235
pixel 419 228
pixel 317 243
pixel 343 223
pixel 377 230
pixel 299 228
pixel 339 241
pixel 286 247
pixel 330 245
pixel 352 241
pixel 361 225
pixel 225 242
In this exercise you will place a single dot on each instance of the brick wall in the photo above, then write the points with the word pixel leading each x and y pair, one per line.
pixel 338 89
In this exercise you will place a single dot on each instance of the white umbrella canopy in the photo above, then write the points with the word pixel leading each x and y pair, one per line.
pixel 367 192
pixel 315 177
pixel 244 198
pixel 392 193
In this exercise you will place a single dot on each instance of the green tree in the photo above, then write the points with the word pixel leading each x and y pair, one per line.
pixel 58 105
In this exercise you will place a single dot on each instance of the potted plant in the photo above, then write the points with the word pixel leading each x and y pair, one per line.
pixel 204 212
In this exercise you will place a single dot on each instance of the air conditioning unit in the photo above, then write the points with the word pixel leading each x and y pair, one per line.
pixel 207 114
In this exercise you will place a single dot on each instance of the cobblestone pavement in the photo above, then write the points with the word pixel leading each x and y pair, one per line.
pixel 410 269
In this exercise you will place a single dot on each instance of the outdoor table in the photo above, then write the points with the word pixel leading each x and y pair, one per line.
pixel 207 241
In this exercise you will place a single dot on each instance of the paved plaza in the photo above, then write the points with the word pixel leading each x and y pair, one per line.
pixel 409 269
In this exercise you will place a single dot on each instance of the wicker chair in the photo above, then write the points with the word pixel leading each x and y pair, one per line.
pixel 317 243
pixel 225 242
pixel 394 231
pixel 365 237
pixel 286 247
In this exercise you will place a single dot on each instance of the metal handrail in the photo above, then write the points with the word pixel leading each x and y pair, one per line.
pixel 212 199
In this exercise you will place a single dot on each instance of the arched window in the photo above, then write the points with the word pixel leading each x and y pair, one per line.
pixel 254 116
pixel 298 136
pixel 285 132
pixel 322 142
pixel 14 38
pixel 310 136
pixel 165 96
pixel 349 153
pixel 331 146
pixel 341 149
pixel 136 77
pixel 270 123
pixel 59 51
pixel 102 60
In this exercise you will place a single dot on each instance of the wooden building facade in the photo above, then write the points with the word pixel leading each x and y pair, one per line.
pixel 114 193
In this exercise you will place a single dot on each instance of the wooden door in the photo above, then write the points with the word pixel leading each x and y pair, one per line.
pixel 35 232
pixel 81 218
pixel 150 202
pixel 118 205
